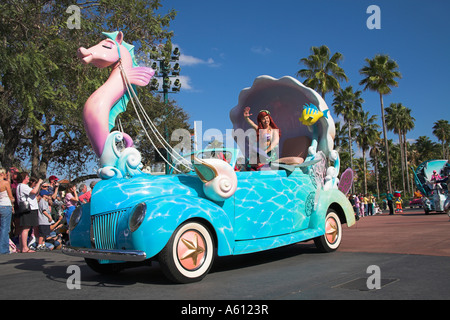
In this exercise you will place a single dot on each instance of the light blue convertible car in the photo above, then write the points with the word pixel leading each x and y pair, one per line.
pixel 184 221
pixel 170 218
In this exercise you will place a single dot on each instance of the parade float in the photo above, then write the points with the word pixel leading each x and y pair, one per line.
pixel 184 220
pixel 434 189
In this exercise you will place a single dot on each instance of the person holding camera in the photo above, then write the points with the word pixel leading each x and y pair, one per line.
pixel 27 192
pixel 54 186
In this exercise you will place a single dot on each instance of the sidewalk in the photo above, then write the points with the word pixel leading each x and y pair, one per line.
pixel 410 232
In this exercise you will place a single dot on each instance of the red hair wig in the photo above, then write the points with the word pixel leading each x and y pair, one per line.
pixel 272 124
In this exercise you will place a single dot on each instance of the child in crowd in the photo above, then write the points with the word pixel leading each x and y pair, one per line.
pixel 45 220
pixel 70 201
pixel 55 237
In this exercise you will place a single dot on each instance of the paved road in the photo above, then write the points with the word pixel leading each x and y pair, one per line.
pixel 410 250
pixel 410 232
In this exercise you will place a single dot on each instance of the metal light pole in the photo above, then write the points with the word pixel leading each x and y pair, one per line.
pixel 166 71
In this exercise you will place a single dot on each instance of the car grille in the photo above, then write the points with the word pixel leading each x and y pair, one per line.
pixel 104 229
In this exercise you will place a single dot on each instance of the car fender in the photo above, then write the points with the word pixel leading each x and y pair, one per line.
pixel 336 200
pixel 80 236
pixel 166 213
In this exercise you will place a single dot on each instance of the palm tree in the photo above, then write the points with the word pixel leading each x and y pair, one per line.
pixel 407 125
pixel 341 143
pixel 322 73
pixel 367 135
pixel 425 148
pixel 395 114
pixel 374 154
pixel 380 74
pixel 340 139
pixel 441 130
pixel 348 104
pixel 358 170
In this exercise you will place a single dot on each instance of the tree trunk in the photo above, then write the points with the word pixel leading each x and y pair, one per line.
pixel 7 158
pixel 11 138
pixel 408 186
pixel 350 150
pixel 376 174
pixel 35 154
pixel 386 146
pixel 402 158
pixel 365 169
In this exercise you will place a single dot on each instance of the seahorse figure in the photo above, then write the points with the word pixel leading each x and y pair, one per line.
pixel 103 106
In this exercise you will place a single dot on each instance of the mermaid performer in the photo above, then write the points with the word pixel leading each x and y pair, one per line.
pixel 268 136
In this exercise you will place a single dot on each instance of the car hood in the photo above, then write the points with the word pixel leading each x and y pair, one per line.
pixel 118 194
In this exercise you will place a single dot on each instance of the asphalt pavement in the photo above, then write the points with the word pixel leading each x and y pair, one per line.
pixel 409 232
pixel 410 253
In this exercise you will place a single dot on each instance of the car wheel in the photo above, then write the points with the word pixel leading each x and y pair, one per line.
pixel 189 254
pixel 332 238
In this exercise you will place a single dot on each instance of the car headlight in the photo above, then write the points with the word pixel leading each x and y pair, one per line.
pixel 75 218
pixel 137 216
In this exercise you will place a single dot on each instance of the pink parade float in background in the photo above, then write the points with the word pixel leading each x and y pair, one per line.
pixel 184 220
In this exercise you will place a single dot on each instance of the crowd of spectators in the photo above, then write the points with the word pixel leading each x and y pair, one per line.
pixel 35 213
pixel 364 205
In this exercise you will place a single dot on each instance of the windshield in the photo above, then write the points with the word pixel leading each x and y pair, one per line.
pixel 225 154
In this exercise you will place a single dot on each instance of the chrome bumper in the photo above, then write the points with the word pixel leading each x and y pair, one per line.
pixel 103 254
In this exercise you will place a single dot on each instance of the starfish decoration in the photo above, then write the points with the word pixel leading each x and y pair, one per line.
pixel 194 250
pixel 332 231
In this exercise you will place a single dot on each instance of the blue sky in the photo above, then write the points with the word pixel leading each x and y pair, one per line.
pixel 225 45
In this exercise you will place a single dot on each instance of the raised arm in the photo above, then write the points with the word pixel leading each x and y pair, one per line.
pixel 247 115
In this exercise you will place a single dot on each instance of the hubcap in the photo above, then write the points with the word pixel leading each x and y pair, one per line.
pixel 331 230
pixel 191 250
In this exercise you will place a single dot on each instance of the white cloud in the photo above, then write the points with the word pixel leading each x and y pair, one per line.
pixel 261 50
pixel 191 61
pixel 185 82
pixel 186 60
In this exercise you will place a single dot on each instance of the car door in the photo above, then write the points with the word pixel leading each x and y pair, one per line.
pixel 271 203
